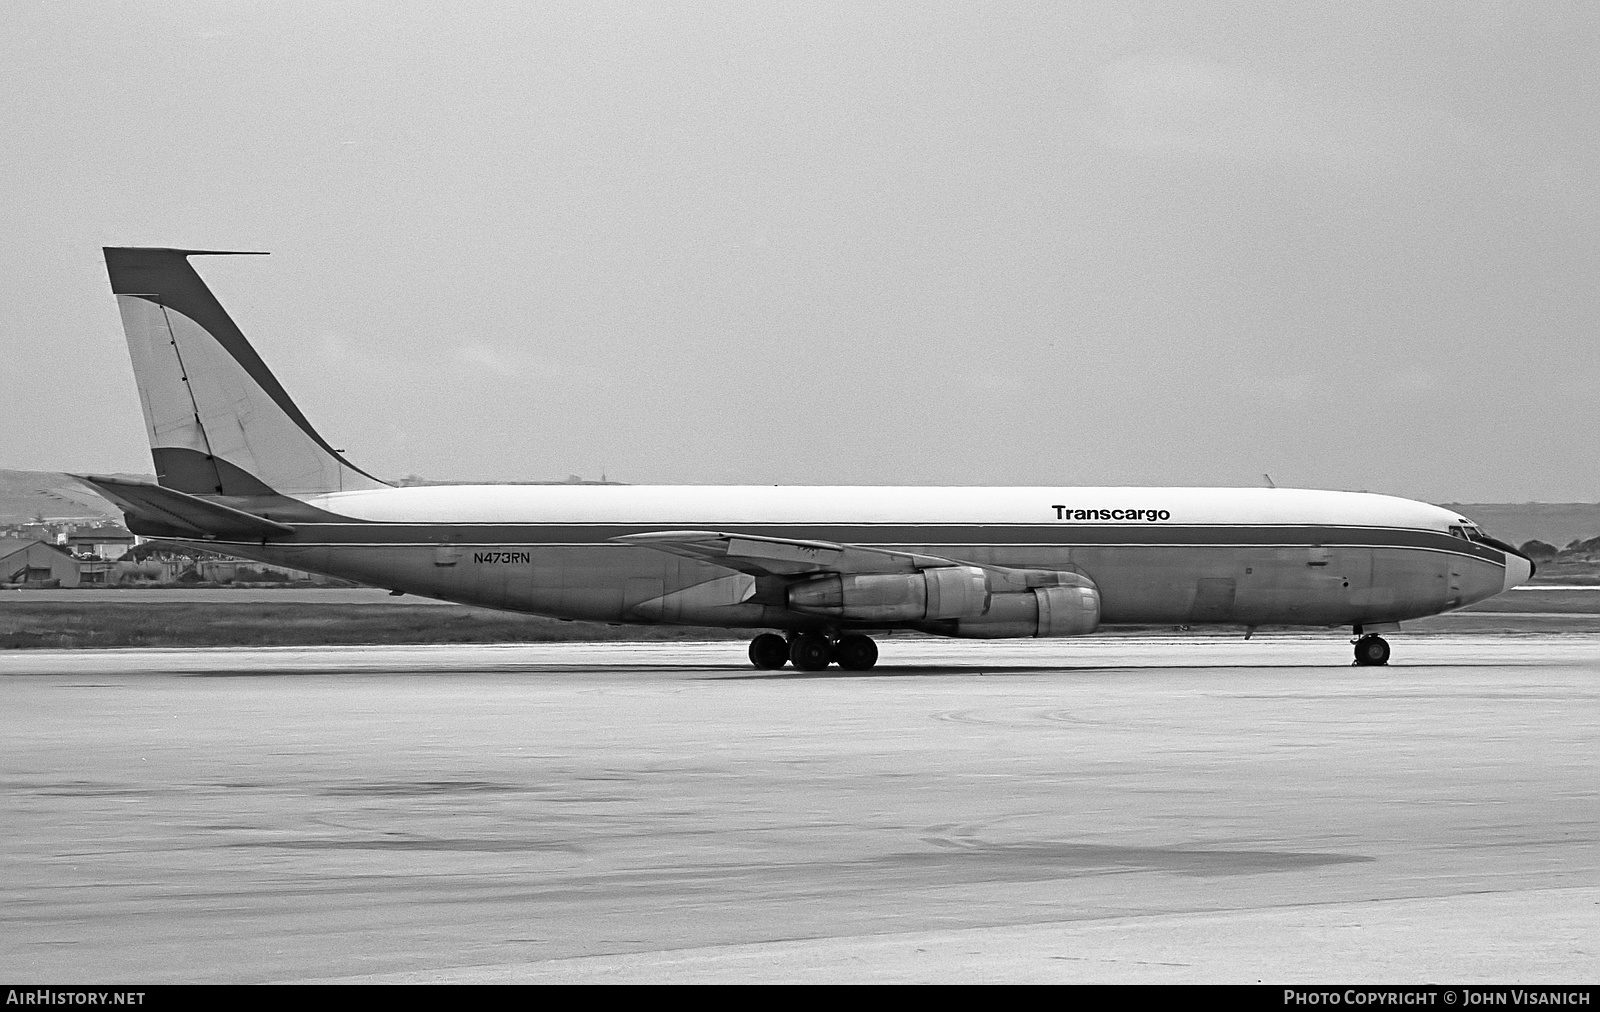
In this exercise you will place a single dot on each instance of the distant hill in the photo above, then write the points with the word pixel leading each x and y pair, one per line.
pixel 28 494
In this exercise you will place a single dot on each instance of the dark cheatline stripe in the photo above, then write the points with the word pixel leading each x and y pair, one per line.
pixel 166 278
pixel 906 534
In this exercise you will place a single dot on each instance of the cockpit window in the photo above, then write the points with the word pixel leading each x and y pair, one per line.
pixel 1458 532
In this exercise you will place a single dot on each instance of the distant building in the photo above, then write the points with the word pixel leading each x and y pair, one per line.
pixel 107 544
pixel 223 569
pixel 26 562
pixel 95 573
pixel 33 531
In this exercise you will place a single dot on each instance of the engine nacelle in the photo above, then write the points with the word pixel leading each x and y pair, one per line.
pixel 1043 611
pixel 949 592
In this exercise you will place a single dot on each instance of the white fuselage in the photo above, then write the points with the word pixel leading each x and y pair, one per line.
pixel 1157 555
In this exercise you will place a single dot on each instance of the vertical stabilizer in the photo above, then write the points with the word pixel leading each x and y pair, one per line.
pixel 219 422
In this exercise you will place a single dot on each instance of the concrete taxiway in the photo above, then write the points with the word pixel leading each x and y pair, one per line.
pixel 1119 808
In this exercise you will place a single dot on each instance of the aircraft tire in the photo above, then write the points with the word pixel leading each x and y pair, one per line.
pixel 810 652
pixel 856 652
pixel 769 652
pixel 1372 651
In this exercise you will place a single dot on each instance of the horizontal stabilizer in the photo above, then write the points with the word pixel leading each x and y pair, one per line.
pixel 763 556
pixel 157 512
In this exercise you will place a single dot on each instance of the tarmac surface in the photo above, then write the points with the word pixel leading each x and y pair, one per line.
pixel 1154 809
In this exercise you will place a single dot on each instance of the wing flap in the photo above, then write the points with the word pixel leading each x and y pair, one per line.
pixel 153 511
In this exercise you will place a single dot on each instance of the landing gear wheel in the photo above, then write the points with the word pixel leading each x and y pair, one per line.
pixel 856 653
pixel 810 652
pixel 1372 650
pixel 769 652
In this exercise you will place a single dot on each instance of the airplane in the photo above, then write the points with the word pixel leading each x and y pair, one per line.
pixel 816 572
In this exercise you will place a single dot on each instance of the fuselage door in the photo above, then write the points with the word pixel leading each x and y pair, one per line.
pixel 1213 600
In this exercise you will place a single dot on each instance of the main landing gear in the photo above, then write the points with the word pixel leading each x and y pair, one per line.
pixel 1371 650
pixel 813 652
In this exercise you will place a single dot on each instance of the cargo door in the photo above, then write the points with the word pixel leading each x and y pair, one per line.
pixel 1213 600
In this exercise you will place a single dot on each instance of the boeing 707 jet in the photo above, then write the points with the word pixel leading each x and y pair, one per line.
pixel 814 571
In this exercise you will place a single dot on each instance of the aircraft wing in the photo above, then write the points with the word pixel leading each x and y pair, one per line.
pixel 158 512
pixel 764 556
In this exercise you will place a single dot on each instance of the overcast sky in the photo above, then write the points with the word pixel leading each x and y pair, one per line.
pixel 1354 247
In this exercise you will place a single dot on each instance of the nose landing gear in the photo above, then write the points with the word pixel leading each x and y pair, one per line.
pixel 1371 650
pixel 813 652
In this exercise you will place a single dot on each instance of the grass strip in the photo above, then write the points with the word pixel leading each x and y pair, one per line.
pixel 76 625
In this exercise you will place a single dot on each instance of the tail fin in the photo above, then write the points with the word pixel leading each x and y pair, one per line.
pixel 219 422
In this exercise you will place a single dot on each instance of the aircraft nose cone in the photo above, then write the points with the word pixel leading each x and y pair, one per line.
pixel 1519 570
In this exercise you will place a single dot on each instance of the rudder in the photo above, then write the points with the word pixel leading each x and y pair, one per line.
pixel 219 422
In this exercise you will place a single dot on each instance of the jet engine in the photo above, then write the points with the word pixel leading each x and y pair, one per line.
pixel 948 592
pixel 1043 611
